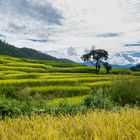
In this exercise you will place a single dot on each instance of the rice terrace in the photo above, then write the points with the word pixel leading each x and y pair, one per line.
pixel 56 100
pixel 69 69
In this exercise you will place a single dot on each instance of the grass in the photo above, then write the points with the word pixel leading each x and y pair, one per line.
pixel 126 91
pixel 102 125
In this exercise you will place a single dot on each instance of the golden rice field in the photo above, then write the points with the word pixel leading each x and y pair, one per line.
pixel 123 125
pixel 55 82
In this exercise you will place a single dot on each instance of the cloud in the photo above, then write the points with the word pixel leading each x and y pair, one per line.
pixel 26 9
pixel 1 35
pixel 132 45
pixel 24 20
pixel 122 58
pixel 134 53
pixel 55 25
pixel 37 40
pixel 128 57
pixel 16 28
pixel 107 35
pixel 71 51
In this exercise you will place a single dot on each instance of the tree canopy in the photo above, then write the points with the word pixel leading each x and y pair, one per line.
pixel 97 56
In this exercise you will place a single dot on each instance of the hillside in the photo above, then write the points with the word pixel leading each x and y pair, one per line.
pixel 10 50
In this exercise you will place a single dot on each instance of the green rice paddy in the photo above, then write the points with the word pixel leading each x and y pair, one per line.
pixel 52 81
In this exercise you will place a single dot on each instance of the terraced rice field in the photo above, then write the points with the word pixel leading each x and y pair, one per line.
pixel 47 80
pixel 33 89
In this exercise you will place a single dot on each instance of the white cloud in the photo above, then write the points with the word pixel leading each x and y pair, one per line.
pixel 56 25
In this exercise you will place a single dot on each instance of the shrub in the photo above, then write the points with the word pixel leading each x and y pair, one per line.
pixel 126 91
pixel 8 91
pixel 99 99
pixel 9 108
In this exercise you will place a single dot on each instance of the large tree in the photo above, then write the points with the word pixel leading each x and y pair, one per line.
pixel 97 56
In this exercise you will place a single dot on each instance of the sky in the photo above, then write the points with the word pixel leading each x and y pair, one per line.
pixel 70 28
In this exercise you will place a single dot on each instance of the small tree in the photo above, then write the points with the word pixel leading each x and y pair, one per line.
pixel 96 55
pixel 107 66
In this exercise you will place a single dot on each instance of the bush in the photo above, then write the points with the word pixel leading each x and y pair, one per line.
pixel 9 108
pixel 126 91
pixel 8 91
pixel 99 100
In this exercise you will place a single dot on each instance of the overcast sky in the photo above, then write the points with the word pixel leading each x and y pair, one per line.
pixel 68 28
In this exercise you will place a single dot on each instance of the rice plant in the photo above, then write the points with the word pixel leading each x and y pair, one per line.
pixel 51 92
pixel 102 125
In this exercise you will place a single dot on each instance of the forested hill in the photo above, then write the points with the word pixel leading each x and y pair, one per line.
pixel 10 50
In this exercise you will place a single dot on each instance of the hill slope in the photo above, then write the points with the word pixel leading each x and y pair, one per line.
pixel 10 50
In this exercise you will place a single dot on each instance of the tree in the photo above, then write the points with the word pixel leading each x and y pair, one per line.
pixel 135 68
pixel 97 56
pixel 107 66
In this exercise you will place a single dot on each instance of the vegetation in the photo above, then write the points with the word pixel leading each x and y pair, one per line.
pixel 135 68
pixel 126 91
pixel 103 125
pixel 34 93
pixel 97 56
pixel 107 66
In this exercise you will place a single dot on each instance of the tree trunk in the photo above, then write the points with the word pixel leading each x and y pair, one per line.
pixel 97 67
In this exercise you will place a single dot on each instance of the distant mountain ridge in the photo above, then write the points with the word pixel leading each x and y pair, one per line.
pixel 128 66
pixel 10 50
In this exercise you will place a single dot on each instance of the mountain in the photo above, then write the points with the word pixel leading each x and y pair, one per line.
pixel 10 50
pixel 128 66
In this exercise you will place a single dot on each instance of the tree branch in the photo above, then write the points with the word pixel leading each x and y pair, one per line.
pixel 92 63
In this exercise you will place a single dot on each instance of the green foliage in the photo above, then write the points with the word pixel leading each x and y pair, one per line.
pixel 107 66
pixel 8 91
pixel 96 56
pixel 9 108
pixel 99 100
pixel 19 108
pixel 126 91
